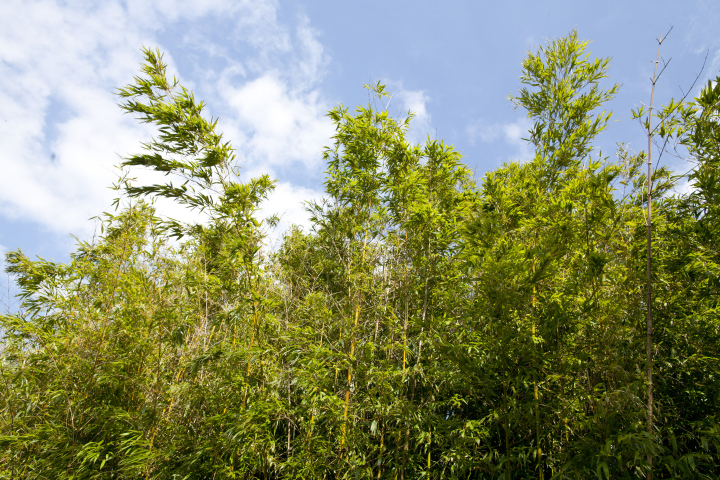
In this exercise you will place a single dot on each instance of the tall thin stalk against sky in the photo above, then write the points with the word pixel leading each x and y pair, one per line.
pixel 649 259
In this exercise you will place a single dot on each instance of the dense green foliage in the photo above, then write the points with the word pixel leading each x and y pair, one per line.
pixel 426 326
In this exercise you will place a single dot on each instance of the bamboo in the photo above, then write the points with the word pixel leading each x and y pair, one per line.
pixel 649 263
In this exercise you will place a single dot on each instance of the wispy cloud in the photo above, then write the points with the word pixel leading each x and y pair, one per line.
pixel 60 128
pixel 712 72
pixel 404 101
pixel 513 134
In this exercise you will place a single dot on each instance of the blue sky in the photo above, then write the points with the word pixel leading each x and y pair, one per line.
pixel 271 69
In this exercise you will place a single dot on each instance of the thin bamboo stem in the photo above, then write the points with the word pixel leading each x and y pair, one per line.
pixel 649 264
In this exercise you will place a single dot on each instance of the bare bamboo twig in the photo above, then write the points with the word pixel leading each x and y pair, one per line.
pixel 649 254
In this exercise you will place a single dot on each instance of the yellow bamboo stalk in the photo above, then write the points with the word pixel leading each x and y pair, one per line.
pixel 429 450
pixel 349 379
pixel 405 325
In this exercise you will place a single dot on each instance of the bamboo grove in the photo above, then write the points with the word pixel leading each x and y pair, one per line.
pixel 428 325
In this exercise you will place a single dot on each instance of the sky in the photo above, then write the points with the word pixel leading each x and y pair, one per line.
pixel 270 70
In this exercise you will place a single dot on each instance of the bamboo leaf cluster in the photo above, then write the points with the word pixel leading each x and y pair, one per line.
pixel 427 325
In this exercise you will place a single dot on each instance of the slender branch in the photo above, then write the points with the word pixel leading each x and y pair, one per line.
pixel 649 257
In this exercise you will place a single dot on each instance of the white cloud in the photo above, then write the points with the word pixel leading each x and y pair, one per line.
pixel 61 132
pixel 309 67
pixel 274 124
pixel 414 101
pixel 288 203
pixel 278 117
pixel 511 133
